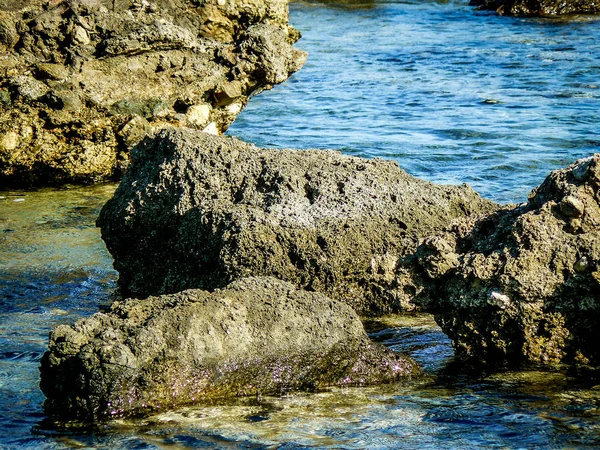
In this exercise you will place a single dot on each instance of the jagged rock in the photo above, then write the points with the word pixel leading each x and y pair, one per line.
pixel 547 8
pixel 75 73
pixel 524 283
pixel 197 211
pixel 259 336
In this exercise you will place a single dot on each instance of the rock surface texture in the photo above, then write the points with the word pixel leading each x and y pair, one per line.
pixel 546 8
pixel 199 211
pixel 259 336
pixel 523 284
pixel 81 81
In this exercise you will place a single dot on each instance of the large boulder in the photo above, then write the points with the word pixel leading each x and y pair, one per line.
pixel 82 81
pixel 198 211
pixel 259 336
pixel 523 284
pixel 545 8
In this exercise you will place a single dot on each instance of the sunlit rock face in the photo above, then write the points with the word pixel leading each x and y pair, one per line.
pixel 259 336
pixel 82 81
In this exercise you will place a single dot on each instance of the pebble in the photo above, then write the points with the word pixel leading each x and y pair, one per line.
pixel 198 114
pixel 580 171
pixel 18 200
pixel 211 128
pixel 572 207
pixel 581 265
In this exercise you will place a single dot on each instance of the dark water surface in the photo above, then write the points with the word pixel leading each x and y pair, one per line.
pixel 453 95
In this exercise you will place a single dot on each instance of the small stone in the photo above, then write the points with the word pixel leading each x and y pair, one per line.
pixel 134 130
pixel 56 72
pixel 572 207
pixel 66 101
pixel 19 200
pixel 29 88
pixel 234 108
pixel 198 114
pixel 581 169
pixel 574 225
pixel 9 141
pixel 498 299
pixel 8 33
pixel 80 36
pixel 581 265
pixel 26 132
pixel 228 93
pixel 211 128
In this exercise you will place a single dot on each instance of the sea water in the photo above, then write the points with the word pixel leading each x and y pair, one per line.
pixel 453 95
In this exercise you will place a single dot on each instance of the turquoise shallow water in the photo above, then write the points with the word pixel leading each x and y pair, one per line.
pixel 454 96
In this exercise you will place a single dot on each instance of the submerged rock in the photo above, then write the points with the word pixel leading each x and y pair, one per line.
pixel 198 211
pixel 258 336
pixel 546 8
pixel 524 282
pixel 81 81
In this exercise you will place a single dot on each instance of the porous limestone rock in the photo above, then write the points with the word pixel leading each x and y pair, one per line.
pixel 81 81
pixel 523 284
pixel 259 336
pixel 198 211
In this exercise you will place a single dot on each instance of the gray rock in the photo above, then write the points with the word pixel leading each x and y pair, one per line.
pixel 199 211
pixel 260 336
pixel 83 69
pixel 524 285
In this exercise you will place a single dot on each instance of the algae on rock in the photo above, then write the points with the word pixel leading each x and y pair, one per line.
pixel 259 336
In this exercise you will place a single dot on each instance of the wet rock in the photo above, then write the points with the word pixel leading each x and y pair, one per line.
pixel 546 8
pixel 197 211
pixel 259 336
pixel 523 285
pixel 77 72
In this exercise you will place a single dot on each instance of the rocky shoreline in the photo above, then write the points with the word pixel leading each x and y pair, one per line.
pixel 509 285
pixel 248 268
pixel 83 81
pixel 538 8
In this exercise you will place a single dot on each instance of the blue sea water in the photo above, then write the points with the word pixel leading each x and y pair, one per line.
pixel 454 96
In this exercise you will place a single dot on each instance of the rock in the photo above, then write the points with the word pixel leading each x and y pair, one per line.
pixel 198 114
pixel 259 336
pixel 77 72
pixel 546 8
pixel 524 284
pixel 198 211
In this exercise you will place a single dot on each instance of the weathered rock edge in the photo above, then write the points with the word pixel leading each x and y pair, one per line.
pixel 259 336
pixel 544 8
pixel 82 81
pixel 523 284
pixel 199 211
